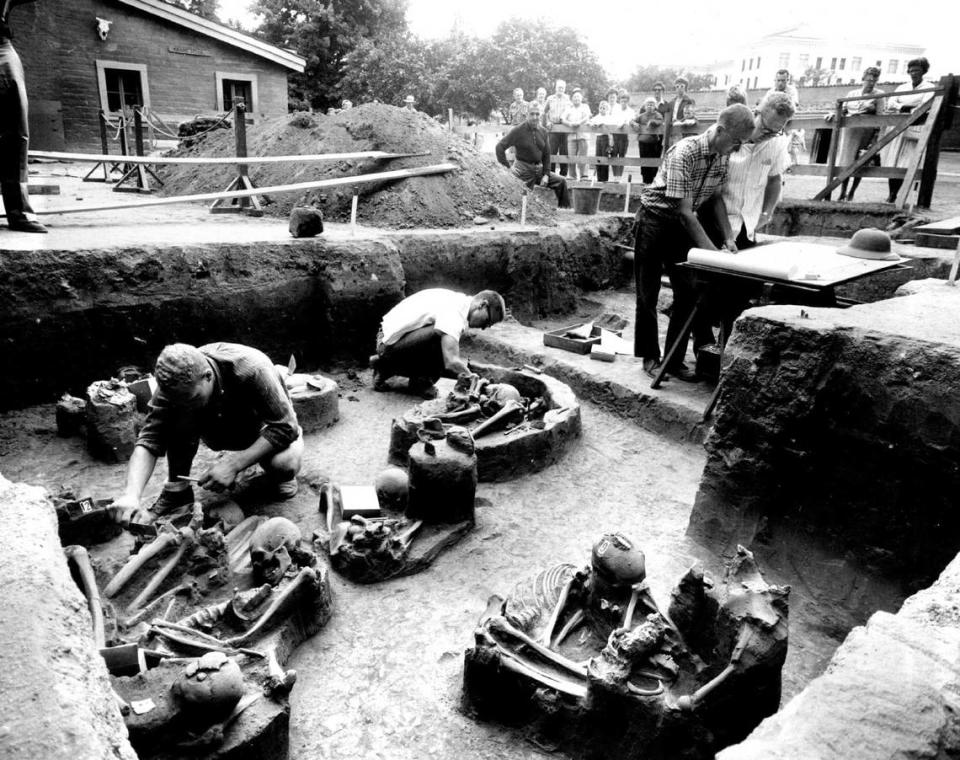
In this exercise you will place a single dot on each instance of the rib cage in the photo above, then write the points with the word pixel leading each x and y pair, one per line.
pixel 530 600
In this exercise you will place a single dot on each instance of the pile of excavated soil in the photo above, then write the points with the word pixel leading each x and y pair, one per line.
pixel 481 187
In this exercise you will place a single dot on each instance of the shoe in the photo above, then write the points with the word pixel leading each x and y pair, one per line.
pixel 423 387
pixel 379 377
pixel 683 373
pixel 287 489
pixel 651 367
pixel 171 500
pixel 26 225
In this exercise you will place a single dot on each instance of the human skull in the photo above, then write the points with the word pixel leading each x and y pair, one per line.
pixel 392 486
pixel 270 548
pixel 498 394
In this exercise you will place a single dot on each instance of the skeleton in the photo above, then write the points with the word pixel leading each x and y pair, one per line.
pixel 596 636
pixel 274 546
pixel 474 397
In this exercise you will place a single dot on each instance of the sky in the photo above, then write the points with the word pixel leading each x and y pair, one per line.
pixel 628 33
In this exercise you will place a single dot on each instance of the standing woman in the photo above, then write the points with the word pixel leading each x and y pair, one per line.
pixel 901 150
pixel 14 133
pixel 649 123
pixel 602 147
pixel 620 142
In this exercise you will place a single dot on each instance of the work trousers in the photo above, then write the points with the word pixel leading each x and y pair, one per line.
pixel 531 174
pixel 577 146
pixel 660 245
pixel 418 354
pixel 14 136
pixel 619 150
pixel 558 147
pixel 649 149
pixel 602 150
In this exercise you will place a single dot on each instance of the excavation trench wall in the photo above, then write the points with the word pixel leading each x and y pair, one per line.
pixel 68 317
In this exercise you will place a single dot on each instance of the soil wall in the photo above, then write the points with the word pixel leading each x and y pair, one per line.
pixel 846 423
pixel 68 317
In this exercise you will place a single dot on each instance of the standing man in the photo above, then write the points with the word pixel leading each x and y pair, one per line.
pixel 781 83
pixel 620 142
pixel 532 156
pixel 667 226
pixel 576 117
pixel 419 338
pixel 553 110
pixel 517 110
pixel 14 131
pixel 679 113
pixel 233 399
pixel 662 105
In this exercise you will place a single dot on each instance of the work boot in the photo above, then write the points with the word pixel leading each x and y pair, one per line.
pixel 27 225
pixel 173 497
pixel 423 387
pixel 379 376
pixel 684 373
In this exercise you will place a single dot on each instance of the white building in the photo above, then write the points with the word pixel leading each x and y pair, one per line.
pixel 839 56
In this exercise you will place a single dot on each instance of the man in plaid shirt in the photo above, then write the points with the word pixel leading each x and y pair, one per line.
pixel 231 397
pixel 667 226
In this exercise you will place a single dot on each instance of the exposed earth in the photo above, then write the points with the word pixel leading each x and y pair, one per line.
pixel 480 188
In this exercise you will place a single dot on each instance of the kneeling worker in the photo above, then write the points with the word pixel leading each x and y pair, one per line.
pixel 419 338
pixel 532 164
pixel 231 397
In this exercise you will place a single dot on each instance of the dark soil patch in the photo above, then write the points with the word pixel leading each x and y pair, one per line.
pixel 481 187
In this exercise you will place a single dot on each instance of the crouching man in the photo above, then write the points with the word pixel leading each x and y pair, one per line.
pixel 232 398
pixel 419 338
pixel 532 164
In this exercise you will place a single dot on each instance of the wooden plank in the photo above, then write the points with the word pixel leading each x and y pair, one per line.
pixel 294 188
pixel 930 240
pixel 43 189
pixel 949 226
pixel 375 154
pixel 917 158
pixel 820 170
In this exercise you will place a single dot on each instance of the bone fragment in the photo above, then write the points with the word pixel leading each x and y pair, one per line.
pixel 493 423
pixel 307 575
pixel 186 543
pixel 191 637
pixel 142 614
pixel 501 625
pixel 547 634
pixel 575 619
pixel 511 662
pixel 148 552
pixel 78 555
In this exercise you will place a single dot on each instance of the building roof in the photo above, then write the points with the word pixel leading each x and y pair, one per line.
pixel 219 32
pixel 827 32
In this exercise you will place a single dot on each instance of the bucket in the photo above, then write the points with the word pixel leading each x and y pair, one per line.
pixel 586 200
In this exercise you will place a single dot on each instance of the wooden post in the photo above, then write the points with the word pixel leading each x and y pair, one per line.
pixel 248 203
pixel 137 171
pixel 626 197
pixel 353 215
pixel 929 173
pixel 834 141
pixel 88 177
pixel 952 279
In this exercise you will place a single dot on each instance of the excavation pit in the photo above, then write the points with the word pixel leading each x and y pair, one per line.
pixel 318 298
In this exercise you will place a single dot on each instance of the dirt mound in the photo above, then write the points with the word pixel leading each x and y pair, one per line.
pixel 480 188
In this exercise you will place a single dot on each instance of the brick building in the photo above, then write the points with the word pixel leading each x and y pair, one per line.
pixel 81 56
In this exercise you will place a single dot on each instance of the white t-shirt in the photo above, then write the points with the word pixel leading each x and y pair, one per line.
pixel 446 310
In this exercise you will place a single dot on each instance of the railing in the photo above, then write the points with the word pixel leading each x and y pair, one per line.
pixel 890 126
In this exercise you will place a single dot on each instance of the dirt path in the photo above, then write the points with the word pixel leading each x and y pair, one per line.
pixel 383 679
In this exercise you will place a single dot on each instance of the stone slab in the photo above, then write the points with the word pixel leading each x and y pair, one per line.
pixel 891 690
pixel 55 698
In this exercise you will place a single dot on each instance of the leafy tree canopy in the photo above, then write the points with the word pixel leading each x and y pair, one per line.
pixel 206 8
pixel 325 32
pixel 643 79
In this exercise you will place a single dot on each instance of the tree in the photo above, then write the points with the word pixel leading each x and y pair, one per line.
pixel 325 32
pixel 816 76
pixel 387 69
pixel 643 79
pixel 209 9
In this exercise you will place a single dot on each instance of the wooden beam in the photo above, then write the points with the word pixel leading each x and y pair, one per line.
pixel 820 170
pixel 928 177
pixel 295 188
pixel 87 157
pixel 922 141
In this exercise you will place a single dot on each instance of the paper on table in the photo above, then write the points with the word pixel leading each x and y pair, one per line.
pixel 800 262
pixel 614 344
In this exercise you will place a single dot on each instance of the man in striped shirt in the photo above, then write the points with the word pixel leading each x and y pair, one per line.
pixel 667 226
